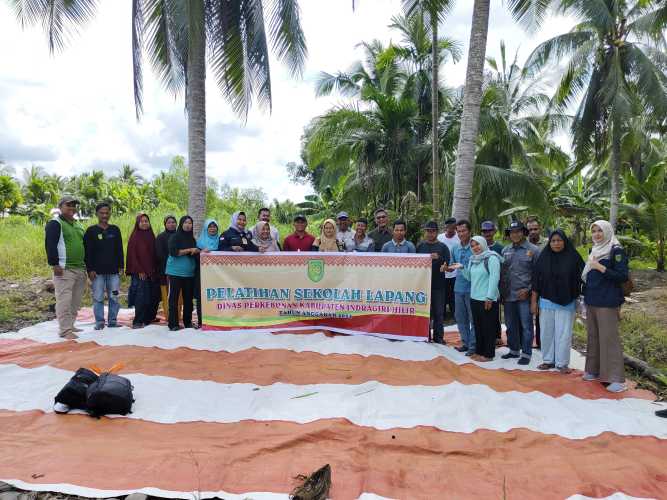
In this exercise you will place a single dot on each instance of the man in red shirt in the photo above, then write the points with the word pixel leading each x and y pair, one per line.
pixel 299 240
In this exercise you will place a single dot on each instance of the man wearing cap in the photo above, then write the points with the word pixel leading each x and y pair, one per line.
pixel 343 233
pixel 66 255
pixel 489 232
pixel 451 239
pixel 516 284
pixel 382 233
pixel 440 258
pixel 299 240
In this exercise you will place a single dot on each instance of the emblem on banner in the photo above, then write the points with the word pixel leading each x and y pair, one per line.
pixel 315 270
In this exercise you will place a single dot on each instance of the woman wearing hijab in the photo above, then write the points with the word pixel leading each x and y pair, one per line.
pixel 483 272
pixel 264 239
pixel 556 286
pixel 162 253
pixel 142 267
pixel 604 274
pixel 181 272
pixel 327 241
pixel 209 238
pixel 236 238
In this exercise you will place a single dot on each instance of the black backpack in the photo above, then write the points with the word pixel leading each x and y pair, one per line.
pixel 75 392
pixel 109 394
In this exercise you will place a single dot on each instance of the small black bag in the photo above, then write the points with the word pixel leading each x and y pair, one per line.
pixel 110 394
pixel 75 392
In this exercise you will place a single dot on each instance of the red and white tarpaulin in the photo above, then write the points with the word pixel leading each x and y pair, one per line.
pixel 239 415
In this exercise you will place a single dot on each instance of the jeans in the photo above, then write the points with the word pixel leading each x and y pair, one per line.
pixel 463 315
pixel 519 327
pixel 146 298
pixel 437 313
pixel 109 283
pixel 556 327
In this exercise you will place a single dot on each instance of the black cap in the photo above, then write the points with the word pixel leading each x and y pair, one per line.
pixel 300 217
pixel 450 220
pixel 431 225
pixel 517 225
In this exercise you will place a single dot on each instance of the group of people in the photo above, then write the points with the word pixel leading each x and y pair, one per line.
pixel 537 280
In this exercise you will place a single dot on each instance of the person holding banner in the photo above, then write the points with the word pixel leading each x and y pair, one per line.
pixel 327 242
pixel 462 312
pixel 263 238
pixel 439 260
pixel 236 238
pixel 483 272
pixel 208 241
pixel 299 240
pixel 181 272
pixel 398 243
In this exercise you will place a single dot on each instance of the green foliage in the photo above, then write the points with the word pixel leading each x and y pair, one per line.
pixel 644 338
pixel 10 194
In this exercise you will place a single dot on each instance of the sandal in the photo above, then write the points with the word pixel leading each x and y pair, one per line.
pixel 565 370
pixel 546 366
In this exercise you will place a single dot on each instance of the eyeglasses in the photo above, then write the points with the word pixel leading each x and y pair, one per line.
pixel 380 216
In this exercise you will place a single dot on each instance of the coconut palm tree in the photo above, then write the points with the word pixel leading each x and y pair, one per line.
pixel 531 14
pixel 433 12
pixel 417 51
pixel 180 36
pixel 616 65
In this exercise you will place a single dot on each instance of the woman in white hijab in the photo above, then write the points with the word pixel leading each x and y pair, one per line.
pixel 264 238
pixel 604 274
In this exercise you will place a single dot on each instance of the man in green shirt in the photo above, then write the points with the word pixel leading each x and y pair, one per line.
pixel 65 254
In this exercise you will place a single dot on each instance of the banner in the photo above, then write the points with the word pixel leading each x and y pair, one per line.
pixel 386 295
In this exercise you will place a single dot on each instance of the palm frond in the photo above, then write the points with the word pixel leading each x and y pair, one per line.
pixel 288 38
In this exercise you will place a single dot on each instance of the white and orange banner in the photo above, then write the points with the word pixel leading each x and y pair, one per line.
pixel 385 295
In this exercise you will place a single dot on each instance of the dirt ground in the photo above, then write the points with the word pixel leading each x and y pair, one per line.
pixel 650 295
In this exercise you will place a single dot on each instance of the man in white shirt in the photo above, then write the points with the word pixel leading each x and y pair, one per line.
pixel 264 215
pixel 344 232
pixel 451 239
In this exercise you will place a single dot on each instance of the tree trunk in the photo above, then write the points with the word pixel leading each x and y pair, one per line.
pixel 660 264
pixel 196 109
pixel 465 159
pixel 615 173
pixel 435 114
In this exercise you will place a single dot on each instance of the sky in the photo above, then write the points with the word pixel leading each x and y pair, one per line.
pixel 74 111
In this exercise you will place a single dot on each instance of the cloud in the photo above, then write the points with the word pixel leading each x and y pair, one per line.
pixel 75 111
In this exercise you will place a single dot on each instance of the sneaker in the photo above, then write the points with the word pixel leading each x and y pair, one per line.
pixel 76 330
pixel 60 408
pixel 523 361
pixel 68 335
pixel 589 377
pixel 509 355
pixel 463 348
pixel 99 327
pixel 617 387
pixel 113 325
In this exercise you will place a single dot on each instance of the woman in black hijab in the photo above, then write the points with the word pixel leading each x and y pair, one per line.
pixel 181 271
pixel 556 286
pixel 162 253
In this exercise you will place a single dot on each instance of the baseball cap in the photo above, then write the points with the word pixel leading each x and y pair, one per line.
pixel 431 225
pixel 450 220
pixel 342 215
pixel 517 225
pixel 488 225
pixel 67 199
pixel 299 217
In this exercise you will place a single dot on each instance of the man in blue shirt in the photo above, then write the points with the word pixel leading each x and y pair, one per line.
pixel 462 311
pixel 398 243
